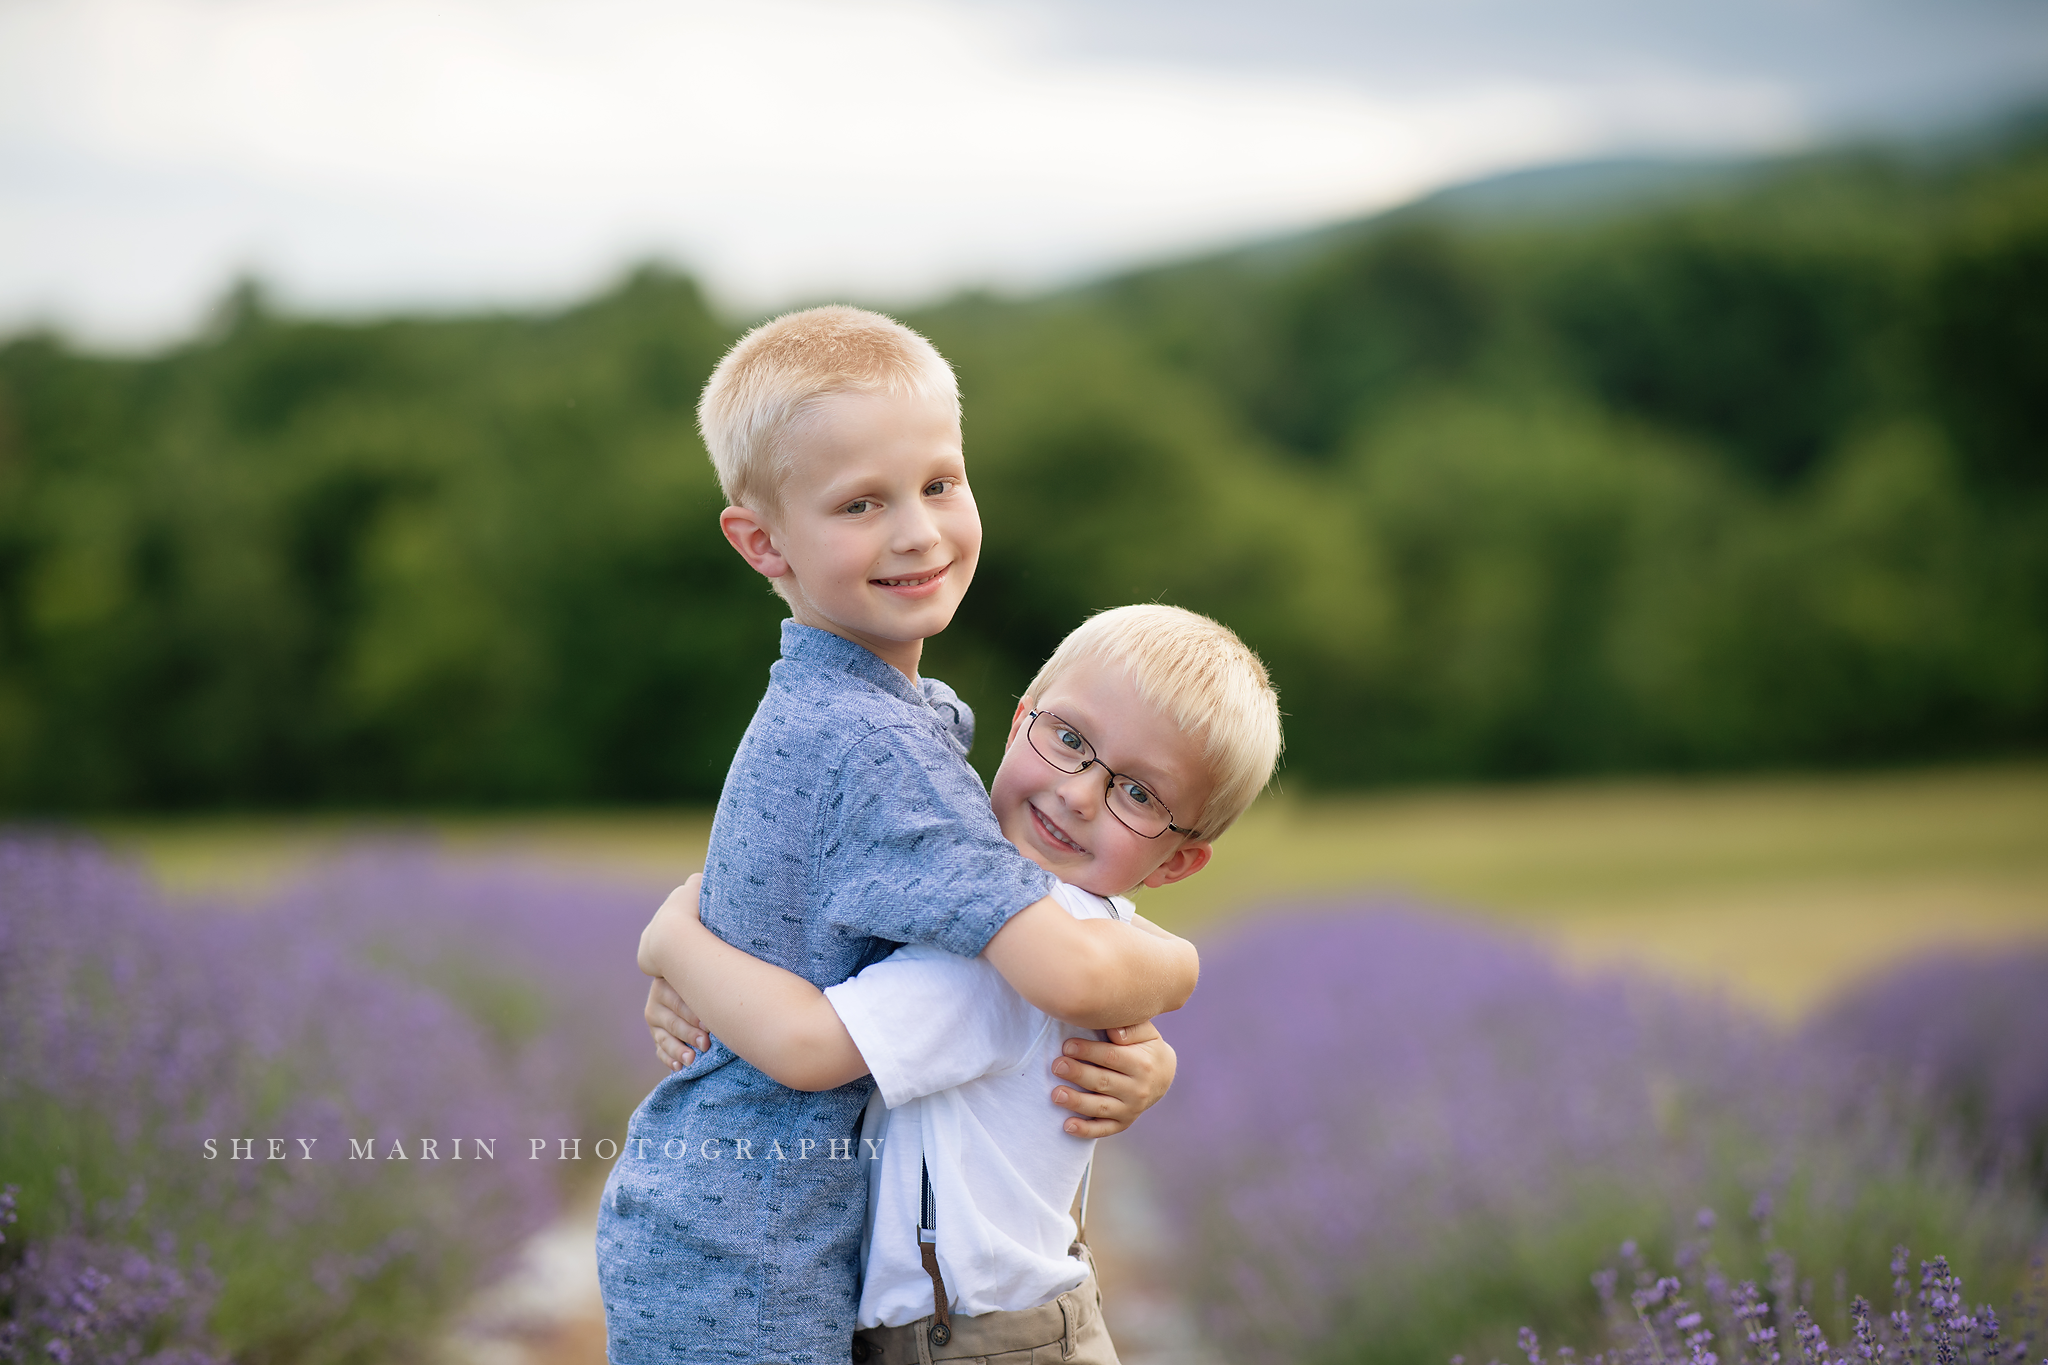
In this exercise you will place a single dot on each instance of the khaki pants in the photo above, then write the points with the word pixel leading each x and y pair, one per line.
pixel 1067 1331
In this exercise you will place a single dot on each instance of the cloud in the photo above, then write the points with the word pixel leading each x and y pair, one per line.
pixel 368 154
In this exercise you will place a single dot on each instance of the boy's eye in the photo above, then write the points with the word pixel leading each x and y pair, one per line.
pixel 1136 794
pixel 937 486
pixel 1071 740
pixel 858 506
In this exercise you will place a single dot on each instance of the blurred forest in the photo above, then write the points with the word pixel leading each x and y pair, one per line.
pixel 1749 473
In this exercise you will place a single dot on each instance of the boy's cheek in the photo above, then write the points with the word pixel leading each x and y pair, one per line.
pixel 1007 796
pixel 1008 817
pixel 970 520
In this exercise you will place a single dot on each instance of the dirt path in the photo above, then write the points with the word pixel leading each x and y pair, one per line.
pixel 1147 1318
pixel 547 1311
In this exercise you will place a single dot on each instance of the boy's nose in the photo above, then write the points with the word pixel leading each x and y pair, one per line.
pixel 1083 791
pixel 915 530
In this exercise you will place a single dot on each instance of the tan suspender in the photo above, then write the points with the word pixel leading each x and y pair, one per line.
pixel 928 1251
pixel 928 1246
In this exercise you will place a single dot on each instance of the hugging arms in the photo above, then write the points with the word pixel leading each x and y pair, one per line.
pixel 783 1024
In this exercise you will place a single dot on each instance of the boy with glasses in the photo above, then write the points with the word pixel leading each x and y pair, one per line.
pixel 969 1250
pixel 850 823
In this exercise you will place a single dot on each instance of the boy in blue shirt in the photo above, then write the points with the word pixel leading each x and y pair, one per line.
pixel 850 823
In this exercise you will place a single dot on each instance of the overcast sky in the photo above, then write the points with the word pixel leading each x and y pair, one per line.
pixel 363 155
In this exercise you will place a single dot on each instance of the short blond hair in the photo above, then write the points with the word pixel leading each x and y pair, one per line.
pixel 1199 673
pixel 774 376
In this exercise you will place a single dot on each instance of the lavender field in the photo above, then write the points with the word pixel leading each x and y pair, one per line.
pixel 385 1032
pixel 1410 1120
pixel 1438 1135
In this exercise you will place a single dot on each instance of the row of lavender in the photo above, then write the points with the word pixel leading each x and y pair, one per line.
pixel 389 999
pixel 1396 1137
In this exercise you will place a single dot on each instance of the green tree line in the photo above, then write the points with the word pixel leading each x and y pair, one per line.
pixel 1752 475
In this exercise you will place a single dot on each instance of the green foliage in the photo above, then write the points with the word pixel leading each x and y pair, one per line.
pixel 1759 477
pixel 407 561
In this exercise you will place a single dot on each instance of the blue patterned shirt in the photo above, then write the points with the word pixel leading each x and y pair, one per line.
pixel 850 823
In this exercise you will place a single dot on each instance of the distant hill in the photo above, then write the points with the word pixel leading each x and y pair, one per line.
pixel 1580 190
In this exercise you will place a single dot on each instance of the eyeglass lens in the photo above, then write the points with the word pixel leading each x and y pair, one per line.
pixel 1069 750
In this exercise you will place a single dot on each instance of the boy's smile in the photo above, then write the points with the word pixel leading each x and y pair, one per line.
pixel 877 536
pixel 911 586
pixel 1062 820
pixel 1053 831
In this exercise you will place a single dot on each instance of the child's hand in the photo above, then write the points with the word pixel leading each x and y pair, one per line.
pixel 1113 1082
pixel 678 1034
pixel 669 929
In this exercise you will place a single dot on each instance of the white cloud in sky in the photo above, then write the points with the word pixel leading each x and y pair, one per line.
pixel 368 154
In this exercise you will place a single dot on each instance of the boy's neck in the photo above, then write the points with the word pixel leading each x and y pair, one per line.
pixel 901 655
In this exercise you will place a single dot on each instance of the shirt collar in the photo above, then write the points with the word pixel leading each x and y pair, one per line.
pixel 808 644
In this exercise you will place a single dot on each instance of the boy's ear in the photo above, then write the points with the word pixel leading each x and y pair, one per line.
pixel 1182 863
pixel 1017 720
pixel 746 532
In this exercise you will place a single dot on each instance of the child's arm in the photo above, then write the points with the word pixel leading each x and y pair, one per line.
pixel 1093 973
pixel 1108 1084
pixel 774 1019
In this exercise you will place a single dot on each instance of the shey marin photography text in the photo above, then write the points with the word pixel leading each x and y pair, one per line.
pixel 543 1149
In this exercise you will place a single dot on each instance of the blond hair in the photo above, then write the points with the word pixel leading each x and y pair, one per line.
pixel 774 376
pixel 1199 673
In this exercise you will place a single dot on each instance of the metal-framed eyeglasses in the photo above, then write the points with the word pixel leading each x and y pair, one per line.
pixel 1136 806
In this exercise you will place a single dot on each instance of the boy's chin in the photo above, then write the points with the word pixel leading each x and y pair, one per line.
pixel 920 621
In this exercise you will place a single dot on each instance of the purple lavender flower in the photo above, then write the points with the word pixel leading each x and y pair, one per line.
pixel 1392 1130
pixel 1967 1036
pixel 1938 1331
pixel 389 995
pixel 1813 1343
pixel 94 1300
pixel 1869 1347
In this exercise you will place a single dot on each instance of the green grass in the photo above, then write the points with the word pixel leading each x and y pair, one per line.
pixel 1779 890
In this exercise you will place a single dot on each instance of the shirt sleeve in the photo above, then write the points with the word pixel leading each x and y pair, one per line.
pixel 909 851
pixel 925 1021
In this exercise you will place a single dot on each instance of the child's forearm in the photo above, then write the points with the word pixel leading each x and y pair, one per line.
pixel 1149 927
pixel 1093 973
pixel 774 1019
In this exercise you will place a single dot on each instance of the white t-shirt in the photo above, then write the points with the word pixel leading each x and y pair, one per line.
pixel 963 1084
